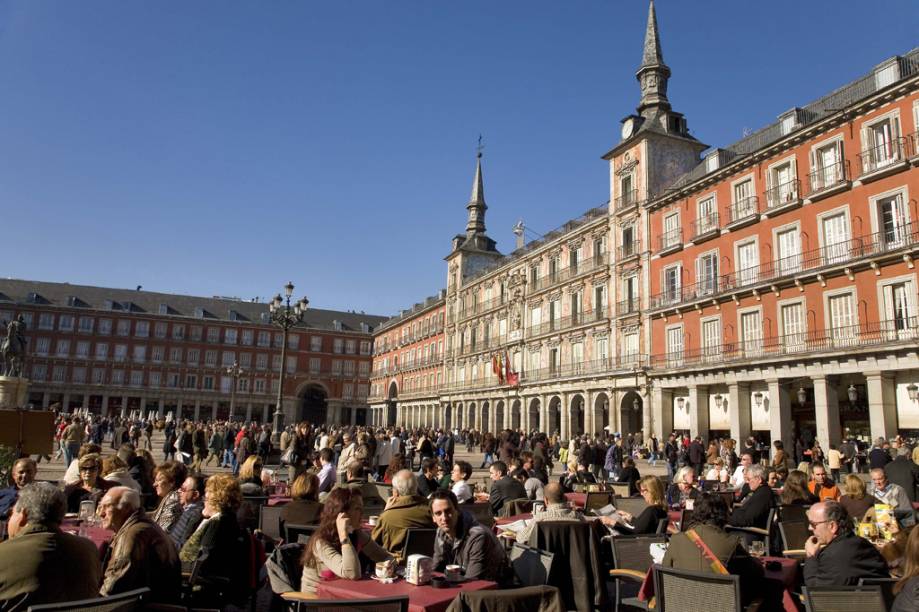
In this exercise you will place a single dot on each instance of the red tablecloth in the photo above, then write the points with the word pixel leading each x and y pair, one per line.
pixel 99 536
pixel 278 500
pixel 510 519
pixel 577 499
pixel 420 598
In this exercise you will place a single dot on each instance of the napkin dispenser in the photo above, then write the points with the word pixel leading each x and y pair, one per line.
pixel 418 569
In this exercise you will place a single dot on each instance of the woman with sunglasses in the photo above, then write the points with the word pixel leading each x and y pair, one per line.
pixel 91 485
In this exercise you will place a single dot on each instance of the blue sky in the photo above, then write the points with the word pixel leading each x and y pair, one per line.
pixel 223 148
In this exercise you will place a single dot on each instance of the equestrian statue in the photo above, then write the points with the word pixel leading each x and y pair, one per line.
pixel 13 347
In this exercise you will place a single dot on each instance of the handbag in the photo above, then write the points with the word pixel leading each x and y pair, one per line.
pixel 289 457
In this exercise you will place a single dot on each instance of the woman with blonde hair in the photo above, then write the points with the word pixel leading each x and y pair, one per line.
pixel 652 491
pixel 250 476
pixel 855 497
pixel 304 508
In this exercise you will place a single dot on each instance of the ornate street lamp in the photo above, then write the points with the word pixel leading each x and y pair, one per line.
pixel 235 372
pixel 285 316
pixel 680 402
pixel 636 405
pixel 758 399
pixel 913 391
pixel 802 395
pixel 718 399
pixel 853 394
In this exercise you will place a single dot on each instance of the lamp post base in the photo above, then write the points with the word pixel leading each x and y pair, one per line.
pixel 276 426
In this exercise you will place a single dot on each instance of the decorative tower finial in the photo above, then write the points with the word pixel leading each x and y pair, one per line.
pixel 476 205
pixel 653 73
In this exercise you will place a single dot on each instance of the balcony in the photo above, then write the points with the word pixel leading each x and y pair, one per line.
pixel 628 306
pixel 582 267
pixel 743 212
pixel 628 250
pixel 839 254
pixel 626 201
pixel 863 336
pixel 479 308
pixel 828 180
pixel 705 227
pixel 670 241
pixel 553 325
pixel 883 159
pixel 782 197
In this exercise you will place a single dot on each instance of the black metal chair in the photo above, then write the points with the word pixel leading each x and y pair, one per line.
pixel 531 565
pixel 685 519
pixel 886 585
pixel 751 534
pixel 269 521
pixel 419 541
pixel 293 533
pixel 794 534
pixel 631 562
pixel 793 512
pixel 844 599
pixel 632 505
pixel 123 602
pixel 679 590
pixel 597 499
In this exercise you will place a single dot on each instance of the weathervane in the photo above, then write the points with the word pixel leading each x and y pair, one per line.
pixel 479 147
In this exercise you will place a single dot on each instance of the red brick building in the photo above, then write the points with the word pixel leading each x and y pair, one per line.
pixel 116 350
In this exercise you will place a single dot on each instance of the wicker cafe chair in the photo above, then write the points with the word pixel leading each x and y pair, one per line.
pixel 123 602
pixel 419 541
pixel 844 599
pixel 685 590
pixel 794 534
pixel 301 602
pixel 886 585
pixel 531 565
pixel 631 562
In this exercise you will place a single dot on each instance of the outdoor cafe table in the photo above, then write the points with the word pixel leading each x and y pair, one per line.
pixel 278 500
pixel 100 536
pixel 778 573
pixel 577 499
pixel 420 598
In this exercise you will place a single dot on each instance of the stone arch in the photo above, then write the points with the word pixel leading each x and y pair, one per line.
pixel 601 413
pixel 448 417
pixel 470 415
pixel 516 414
pixel 533 414
pixel 555 415
pixel 630 413
pixel 391 394
pixel 313 404
pixel 499 415
pixel 459 415
pixel 578 415
pixel 483 423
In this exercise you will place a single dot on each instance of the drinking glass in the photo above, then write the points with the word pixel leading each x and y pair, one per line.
pixel 757 548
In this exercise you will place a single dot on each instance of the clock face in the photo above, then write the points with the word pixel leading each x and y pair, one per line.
pixel 628 126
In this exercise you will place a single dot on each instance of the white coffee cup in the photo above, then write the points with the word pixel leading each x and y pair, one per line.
pixel 385 569
pixel 453 573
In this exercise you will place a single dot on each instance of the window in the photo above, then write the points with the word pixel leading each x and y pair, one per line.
pixel 293 341
pixel 363 369
pixel 153 379
pixel 229 336
pixel 245 360
pixel 213 334
pixel 195 332
pixel 316 343
pixel 264 338
pixel 365 347
pixel 259 385
pixel 65 323
pixel 601 349
pixel 42 346
pixel 349 368
pixel 226 384
pixel 246 337
pixel 117 377
pixel 744 200
pixel 121 352
pixel 228 358
pixel 672 234
pixel 842 319
pixel 175 355
pixel 98 376
pixel 707 219
pixel 629 295
pixel 788 251
pixel 208 383
pixel 291 364
pixel 243 385
pixel 210 358
pixel 276 363
pixel 899 310
pixel 140 353
pixel 347 390
pixel 827 166
pixel 747 263
pixel 793 327
pixel 711 339
pixel 707 273
pixel 315 364
pixel 881 144
pixel 629 349
pixel 159 330
pixel 124 327
pixel 835 238
pixel 27 317
pixel 79 375
pixel 45 320
pixel 751 330
pixel 781 185
pixel 338 345
pixel 63 348
pixel 191 381
pixel 671 285
pixel 675 345
pixel 83 349
pixel 192 356
pixel 105 327
pixel 178 332
pixel 142 329
pixel 893 221
pixel 336 366
pixel 156 355
pixel 59 374
pixel 261 361
pixel 351 347
pixel 39 371
pixel 278 340
pixel 101 351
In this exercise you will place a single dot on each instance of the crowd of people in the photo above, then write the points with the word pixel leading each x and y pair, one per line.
pixel 164 513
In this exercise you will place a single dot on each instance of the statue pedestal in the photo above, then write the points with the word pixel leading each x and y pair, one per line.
pixel 14 392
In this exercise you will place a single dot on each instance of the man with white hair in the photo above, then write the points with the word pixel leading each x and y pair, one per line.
pixel 404 510
pixel 754 510
pixel 37 562
pixel 141 554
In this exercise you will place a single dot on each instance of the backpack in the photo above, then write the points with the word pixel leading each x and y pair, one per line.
pixel 283 567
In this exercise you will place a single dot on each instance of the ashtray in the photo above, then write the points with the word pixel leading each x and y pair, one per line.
pixel 439 582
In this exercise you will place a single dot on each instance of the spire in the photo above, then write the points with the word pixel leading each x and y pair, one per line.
pixel 653 73
pixel 652 55
pixel 476 205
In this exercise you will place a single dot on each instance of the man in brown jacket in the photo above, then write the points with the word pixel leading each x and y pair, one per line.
pixel 39 564
pixel 141 554
pixel 404 510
